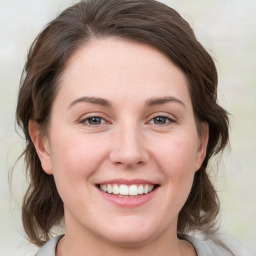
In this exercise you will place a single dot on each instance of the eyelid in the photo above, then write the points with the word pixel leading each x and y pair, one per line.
pixel 103 121
pixel 91 115
pixel 170 117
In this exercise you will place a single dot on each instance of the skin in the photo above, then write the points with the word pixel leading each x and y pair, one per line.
pixel 127 143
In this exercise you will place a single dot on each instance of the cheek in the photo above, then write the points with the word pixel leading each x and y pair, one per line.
pixel 74 160
pixel 177 161
pixel 76 156
pixel 177 155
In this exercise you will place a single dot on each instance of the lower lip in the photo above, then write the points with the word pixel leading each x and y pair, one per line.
pixel 129 202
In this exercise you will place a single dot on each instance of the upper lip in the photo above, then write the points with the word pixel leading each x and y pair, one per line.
pixel 127 182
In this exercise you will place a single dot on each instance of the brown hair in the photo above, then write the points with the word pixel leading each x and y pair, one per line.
pixel 145 21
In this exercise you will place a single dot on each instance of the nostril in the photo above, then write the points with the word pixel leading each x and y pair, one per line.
pixel 128 151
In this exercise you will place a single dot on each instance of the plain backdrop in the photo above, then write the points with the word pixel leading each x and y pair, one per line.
pixel 225 27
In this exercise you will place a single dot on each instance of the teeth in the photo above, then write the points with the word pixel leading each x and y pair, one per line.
pixel 125 190
pixel 109 189
pixel 104 188
pixel 145 190
pixel 133 190
pixel 140 190
pixel 115 189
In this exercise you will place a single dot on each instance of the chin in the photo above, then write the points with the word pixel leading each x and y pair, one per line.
pixel 130 236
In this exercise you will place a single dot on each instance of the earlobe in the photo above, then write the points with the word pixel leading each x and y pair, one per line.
pixel 41 145
pixel 202 147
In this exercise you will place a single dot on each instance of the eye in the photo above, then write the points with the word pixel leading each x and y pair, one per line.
pixel 94 120
pixel 161 120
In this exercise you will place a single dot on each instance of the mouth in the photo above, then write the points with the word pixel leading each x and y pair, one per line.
pixel 123 190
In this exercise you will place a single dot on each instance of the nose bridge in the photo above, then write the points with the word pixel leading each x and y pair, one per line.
pixel 128 148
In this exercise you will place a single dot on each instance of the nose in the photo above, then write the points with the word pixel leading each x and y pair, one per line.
pixel 128 147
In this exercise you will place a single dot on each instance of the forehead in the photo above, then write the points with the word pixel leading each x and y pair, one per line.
pixel 108 65
pixel 119 52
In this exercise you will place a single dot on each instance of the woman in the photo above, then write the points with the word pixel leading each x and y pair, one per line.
pixel 118 103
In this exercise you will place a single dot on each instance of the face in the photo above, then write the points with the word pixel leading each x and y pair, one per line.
pixel 121 143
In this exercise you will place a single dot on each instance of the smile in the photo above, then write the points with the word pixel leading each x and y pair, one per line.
pixel 127 190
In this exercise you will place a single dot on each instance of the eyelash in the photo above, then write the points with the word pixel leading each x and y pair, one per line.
pixel 87 120
pixel 166 119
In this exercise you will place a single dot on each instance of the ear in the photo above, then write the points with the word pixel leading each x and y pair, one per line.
pixel 41 144
pixel 202 145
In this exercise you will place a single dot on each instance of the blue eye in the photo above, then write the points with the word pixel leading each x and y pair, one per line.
pixel 94 120
pixel 160 120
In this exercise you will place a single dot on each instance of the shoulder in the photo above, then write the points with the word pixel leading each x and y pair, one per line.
pixel 217 245
pixel 49 248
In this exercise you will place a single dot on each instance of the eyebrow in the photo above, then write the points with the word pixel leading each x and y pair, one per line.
pixel 163 100
pixel 106 103
pixel 93 100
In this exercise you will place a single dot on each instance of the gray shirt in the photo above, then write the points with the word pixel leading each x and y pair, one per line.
pixel 203 248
